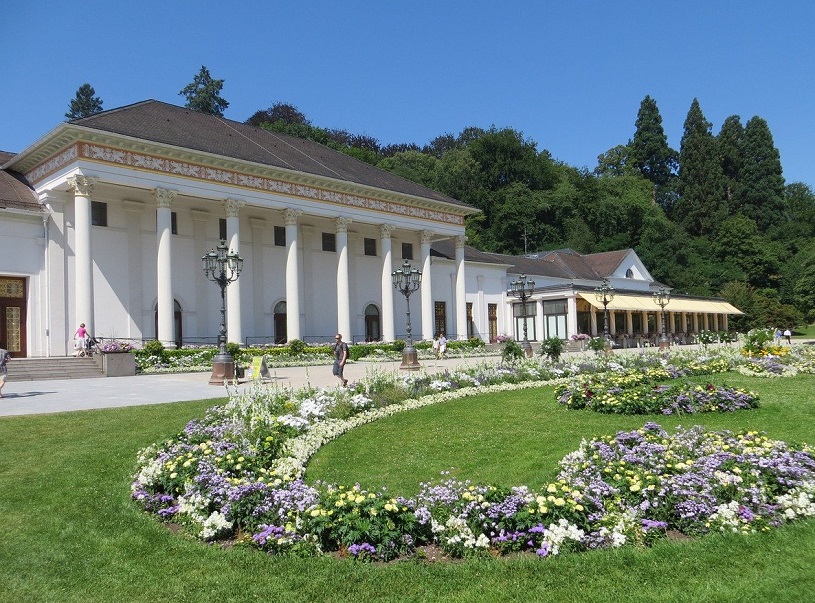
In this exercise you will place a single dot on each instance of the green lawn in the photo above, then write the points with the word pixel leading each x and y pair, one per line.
pixel 70 533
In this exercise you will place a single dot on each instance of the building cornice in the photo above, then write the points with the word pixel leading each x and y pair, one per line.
pixel 69 143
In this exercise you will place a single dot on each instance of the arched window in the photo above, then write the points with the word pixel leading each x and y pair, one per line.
pixel 280 322
pixel 372 325
pixel 177 322
pixel 629 273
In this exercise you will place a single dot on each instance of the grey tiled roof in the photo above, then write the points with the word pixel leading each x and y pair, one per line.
pixel 561 263
pixel 14 190
pixel 168 124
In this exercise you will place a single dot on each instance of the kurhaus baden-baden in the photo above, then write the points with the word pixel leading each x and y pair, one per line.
pixel 104 221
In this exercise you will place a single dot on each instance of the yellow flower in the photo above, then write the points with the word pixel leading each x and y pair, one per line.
pixel 315 512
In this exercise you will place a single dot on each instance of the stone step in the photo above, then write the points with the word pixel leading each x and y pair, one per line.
pixel 36 369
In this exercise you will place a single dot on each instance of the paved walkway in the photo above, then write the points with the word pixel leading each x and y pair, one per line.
pixel 61 395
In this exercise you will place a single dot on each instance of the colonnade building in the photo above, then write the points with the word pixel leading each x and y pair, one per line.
pixel 104 221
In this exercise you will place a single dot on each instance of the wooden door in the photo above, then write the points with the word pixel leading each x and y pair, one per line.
pixel 13 315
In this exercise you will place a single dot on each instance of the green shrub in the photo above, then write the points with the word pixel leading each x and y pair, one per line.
pixel 297 347
pixel 399 345
pixel 153 347
pixel 598 344
pixel 233 349
pixel 552 348
pixel 512 352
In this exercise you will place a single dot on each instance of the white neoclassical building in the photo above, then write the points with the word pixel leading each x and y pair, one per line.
pixel 104 221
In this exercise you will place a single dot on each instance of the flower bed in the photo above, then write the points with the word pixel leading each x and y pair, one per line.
pixel 236 473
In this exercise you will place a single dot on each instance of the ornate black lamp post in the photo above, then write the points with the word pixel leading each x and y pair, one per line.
pixel 407 280
pixel 604 294
pixel 523 289
pixel 661 298
pixel 222 267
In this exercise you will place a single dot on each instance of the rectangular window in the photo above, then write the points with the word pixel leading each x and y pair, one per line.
pixel 407 251
pixel 222 229
pixel 174 223
pixel 329 241
pixel 440 311
pixel 280 236
pixel 99 213
pixel 370 246
pixel 492 318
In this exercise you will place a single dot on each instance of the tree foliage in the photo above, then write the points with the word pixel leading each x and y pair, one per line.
pixel 203 94
pixel 713 219
pixel 84 103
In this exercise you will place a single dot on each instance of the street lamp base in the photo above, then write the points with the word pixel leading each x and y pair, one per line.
pixel 223 369
pixel 664 344
pixel 410 359
pixel 527 348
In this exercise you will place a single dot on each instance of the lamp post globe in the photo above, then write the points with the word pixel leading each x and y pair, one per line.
pixel 407 280
pixel 662 297
pixel 523 288
pixel 604 294
pixel 222 266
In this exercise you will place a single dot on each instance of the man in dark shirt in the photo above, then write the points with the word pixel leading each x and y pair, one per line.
pixel 340 358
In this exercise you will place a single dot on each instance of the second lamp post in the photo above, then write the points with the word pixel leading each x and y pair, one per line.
pixel 604 294
pixel 523 289
pixel 222 266
pixel 407 279
pixel 661 298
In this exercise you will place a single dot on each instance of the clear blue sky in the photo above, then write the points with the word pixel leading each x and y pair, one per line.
pixel 569 74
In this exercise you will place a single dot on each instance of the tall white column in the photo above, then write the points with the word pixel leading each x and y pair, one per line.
pixel 258 320
pixel 571 320
pixel 83 281
pixel 343 292
pixel 593 322
pixel 292 275
pixel 481 312
pixel 612 322
pixel 234 324
pixel 426 286
pixel 135 326
pixel 164 266
pixel 388 329
pixel 461 290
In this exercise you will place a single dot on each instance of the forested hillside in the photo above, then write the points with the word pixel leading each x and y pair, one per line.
pixel 712 218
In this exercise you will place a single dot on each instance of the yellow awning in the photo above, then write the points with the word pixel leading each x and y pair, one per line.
pixel 645 303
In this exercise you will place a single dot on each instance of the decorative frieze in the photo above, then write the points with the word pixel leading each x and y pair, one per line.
pixel 175 167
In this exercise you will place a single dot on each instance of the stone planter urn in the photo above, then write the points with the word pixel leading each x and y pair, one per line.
pixel 120 364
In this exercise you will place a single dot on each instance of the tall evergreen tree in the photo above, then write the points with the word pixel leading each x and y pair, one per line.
pixel 85 103
pixel 701 205
pixel 650 154
pixel 762 193
pixel 729 140
pixel 203 94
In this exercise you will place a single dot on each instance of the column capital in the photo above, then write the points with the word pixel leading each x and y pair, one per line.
pixel 232 207
pixel 164 197
pixel 290 216
pixel 385 230
pixel 342 224
pixel 82 185
pixel 426 236
pixel 460 241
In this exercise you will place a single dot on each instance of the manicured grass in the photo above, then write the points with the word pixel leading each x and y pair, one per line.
pixel 517 438
pixel 68 531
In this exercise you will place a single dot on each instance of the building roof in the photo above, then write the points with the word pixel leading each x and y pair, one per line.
pixel 168 124
pixel 560 263
pixel 15 193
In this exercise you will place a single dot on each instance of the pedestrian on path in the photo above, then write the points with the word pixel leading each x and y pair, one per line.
pixel 4 356
pixel 788 335
pixel 340 358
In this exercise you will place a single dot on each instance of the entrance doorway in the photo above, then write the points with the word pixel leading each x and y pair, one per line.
pixel 13 304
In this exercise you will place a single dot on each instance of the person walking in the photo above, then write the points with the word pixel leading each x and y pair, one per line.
pixel 340 358
pixel 4 356
pixel 788 335
pixel 81 337
pixel 442 346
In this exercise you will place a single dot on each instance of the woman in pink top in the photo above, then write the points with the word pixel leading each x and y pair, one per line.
pixel 81 340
